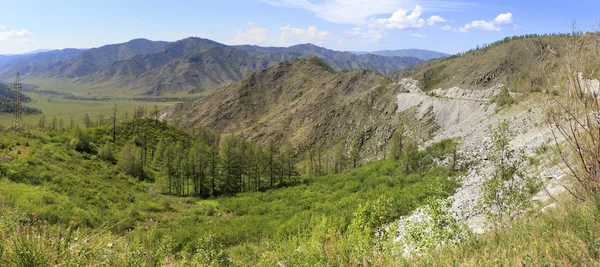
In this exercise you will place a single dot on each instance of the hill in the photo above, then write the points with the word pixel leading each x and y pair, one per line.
pixel 73 189
pixel 303 102
pixel 521 64
pixel 7 105
pixel 189 66
pixel 418 53
pixel 7 94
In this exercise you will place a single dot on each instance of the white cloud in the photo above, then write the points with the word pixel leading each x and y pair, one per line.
pixel 481 25
pixel 435 19
pixel 503 19
pixel 257 35
pixel 15 35
pixel 401 19
pixel 451 29
pixel 419 35
pixel 290 34
pixel 2 27
pixel 342 11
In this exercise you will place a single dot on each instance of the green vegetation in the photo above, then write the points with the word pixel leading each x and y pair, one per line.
pixel 78 188
pixel 322 63
pixel 508 191
pixel 503 98
pixel 562 236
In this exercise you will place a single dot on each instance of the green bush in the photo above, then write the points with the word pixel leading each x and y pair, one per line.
pixel 82 142
pixel 503 98
pixel 105 153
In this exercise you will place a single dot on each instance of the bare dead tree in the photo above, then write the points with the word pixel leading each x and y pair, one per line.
pixel 575 115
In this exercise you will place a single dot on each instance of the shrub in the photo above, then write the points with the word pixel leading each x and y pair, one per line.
pixel 130 161
pixel 210 251
pixel 508 191
pixel 428 228
pixel 503 98
pixel 82 142
pixel 105 153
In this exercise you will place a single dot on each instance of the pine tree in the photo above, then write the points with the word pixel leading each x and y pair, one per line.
pixel 289 161
pixel 54 123
pixel 42 122
pixel 114 121
pixel 86 121
pixel 271 152
pixel 339 157
pixel 396 145
pixel 355 152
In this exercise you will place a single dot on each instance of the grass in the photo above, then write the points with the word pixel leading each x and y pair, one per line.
pixel 61 108
pixel 108 88
pixel 50 189
pixel 562 236
pixel 62 207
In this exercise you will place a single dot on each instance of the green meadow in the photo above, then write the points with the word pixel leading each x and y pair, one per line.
pixel 61 108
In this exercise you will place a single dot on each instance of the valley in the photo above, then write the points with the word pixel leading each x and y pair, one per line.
pixel 195 152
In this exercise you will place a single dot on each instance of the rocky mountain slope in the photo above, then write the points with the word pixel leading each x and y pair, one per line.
pixel 71 63
pixel 520 64
pixel 266 105
pixel 301 102
pixel 304 104
pixel 35 64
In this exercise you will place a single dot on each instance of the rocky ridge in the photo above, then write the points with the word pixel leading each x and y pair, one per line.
pixel 469 116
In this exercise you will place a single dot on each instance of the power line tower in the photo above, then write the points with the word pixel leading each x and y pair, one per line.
pixel 18 122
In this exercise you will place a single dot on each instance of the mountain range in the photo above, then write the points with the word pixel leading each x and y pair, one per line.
pixel 188 66
pixel 418 53
pixel 303 103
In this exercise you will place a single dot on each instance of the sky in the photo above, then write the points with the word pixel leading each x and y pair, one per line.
pixel 345 25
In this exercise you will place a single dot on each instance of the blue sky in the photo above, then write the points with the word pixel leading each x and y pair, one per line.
pixel 357 25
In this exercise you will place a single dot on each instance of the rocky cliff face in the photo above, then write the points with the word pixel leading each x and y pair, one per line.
pixel 469 116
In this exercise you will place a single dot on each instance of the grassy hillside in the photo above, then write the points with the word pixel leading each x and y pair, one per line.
pixel 61 198
pixel 63 207
pixel 7 103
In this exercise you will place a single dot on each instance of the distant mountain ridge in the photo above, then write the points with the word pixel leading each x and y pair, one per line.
pixel 418 53
pixel 191 65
